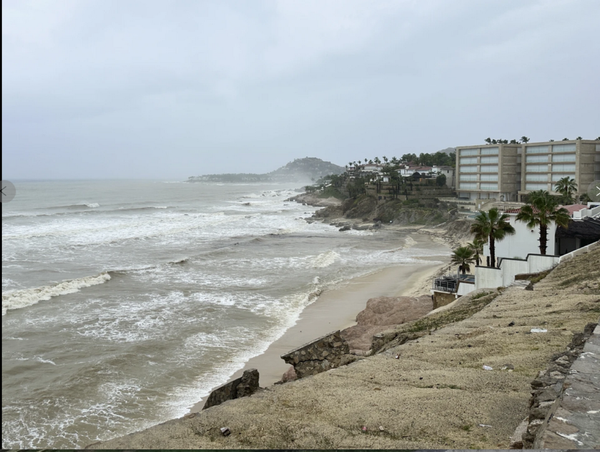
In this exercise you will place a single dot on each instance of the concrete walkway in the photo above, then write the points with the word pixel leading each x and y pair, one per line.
pixel 576 422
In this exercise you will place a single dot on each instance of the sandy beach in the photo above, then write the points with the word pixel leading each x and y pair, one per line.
pixel 337 308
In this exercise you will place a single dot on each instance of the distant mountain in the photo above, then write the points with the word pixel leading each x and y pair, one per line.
pixel 300 170
pixel 308 167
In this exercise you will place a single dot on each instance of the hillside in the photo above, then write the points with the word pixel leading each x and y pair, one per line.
pixel 310 167
pixel 300 170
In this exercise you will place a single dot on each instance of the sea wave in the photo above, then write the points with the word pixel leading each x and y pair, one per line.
pixel 325 259
pixel 18 299
pixel 82 209
pixel 81 205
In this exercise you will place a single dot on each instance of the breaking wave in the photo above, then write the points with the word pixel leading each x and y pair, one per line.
pixel 325 259
pixel 18 299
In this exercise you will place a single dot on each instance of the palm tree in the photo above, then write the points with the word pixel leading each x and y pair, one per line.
pixel 525 139
pixel 463 256
pixel 477 246
pixel 491 226
pixel 488 140
pixel 579 138
pixel 542 211
pixel 566 187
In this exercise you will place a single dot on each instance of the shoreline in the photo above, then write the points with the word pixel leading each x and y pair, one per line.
pixel 337 308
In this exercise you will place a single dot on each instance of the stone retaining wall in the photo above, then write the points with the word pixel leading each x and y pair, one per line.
pixel 547 392
pixel 319 355
pixel 244 386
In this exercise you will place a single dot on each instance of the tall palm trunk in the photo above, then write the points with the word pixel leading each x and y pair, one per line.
pixel 543 239
pixel 492 252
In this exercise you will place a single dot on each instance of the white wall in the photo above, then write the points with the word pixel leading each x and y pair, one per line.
pixel 490 278
pixel 487 277
pixel 523 242
pixel 465 288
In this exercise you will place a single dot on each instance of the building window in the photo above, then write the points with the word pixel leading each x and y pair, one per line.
pixel 536 177
pixel 489 168
pixel 489 177
pixel 564 168
pixel 537 149
pixel 489 159
pixel 571 147
pixel 556 177
pixel 464 185
pixel 536 158
pixel 563 158
pixel 468 177
pixel 466 160
pixel 537 168
pixel 488 186
pixel 489 151
pixel 469 152
pixel 536 186
pixel 468 169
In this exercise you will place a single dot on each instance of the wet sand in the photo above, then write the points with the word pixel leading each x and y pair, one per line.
pixel 337 309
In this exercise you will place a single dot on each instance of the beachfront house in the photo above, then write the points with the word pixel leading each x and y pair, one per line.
pixel 520 253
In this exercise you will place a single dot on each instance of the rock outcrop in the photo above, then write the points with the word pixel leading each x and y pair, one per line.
pixel 380 314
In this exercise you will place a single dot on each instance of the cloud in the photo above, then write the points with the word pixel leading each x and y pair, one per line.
pixel 261 81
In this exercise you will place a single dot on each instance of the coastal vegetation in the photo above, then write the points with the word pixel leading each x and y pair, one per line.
pixel 491 226
pixel 405 189
pixel 567 187
pixel 463 256
pixel 523 140
pixel 543 210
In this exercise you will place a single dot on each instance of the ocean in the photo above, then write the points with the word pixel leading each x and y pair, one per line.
pixel 126 302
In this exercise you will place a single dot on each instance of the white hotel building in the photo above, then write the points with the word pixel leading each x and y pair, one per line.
pixel 506 172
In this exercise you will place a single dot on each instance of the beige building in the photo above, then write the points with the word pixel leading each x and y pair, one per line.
pixel 543 164
pixel 488 172
pixel 506 172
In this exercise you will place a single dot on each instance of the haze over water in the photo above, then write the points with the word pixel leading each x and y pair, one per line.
pixel 124 303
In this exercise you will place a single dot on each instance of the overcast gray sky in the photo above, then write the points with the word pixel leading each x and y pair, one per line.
pixel 169 89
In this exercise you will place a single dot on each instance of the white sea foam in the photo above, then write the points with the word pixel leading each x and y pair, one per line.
pixel 288 310
pixel 18 299
pixel 45 361
pixel 325 259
